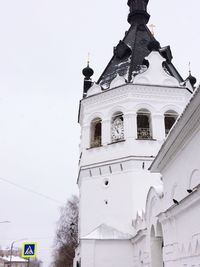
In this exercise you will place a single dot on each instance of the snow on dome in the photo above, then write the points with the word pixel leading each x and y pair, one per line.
pixel 117 81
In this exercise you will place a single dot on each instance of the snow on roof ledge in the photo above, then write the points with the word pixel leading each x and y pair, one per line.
pixel 105 232
pixel 159 190
pixel 155 74
pixel 117 81
pixel 14 259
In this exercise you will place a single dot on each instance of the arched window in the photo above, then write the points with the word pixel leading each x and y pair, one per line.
pixel 170 118
pixel 95 140
pixel 117 127
pixel 144 124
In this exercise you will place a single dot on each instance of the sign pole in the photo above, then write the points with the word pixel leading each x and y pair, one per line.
pixel 28 262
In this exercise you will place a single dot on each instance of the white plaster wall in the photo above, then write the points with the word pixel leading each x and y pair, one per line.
pixel 182 237
pixel 87 251
pixel 107 253
pixel 141 255
pixel 181 223
pixel 125 194
pixel 94 211
pixel 183 171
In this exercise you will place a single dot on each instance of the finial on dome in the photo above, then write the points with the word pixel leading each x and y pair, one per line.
pixel 189 65
pixel 138 12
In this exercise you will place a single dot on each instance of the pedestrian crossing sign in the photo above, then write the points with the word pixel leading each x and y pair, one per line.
pixel 29 250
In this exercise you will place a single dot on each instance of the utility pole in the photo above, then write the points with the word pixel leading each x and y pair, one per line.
pixel 11 249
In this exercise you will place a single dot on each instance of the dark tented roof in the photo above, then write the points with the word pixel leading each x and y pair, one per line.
pixel 129 55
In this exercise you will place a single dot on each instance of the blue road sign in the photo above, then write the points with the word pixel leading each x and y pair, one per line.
pixel 29 250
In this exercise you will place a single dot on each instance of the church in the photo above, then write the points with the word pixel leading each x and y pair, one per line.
pixel 139 165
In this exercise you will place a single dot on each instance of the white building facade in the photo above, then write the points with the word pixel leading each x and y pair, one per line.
pixel 129 215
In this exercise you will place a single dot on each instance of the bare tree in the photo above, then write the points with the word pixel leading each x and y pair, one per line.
pixel 66 239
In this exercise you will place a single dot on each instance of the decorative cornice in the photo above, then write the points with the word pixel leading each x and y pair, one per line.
pixel 108 163
pixel 136 91
pixel 118 160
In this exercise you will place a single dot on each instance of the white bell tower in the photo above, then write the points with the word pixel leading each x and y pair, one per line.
pixel 124 119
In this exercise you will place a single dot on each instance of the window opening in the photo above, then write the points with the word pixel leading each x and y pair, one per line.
pixel 170 118
pixel 110 169
pixel 95 133
pixel 106 182
pixel 144 125
pixel 121 166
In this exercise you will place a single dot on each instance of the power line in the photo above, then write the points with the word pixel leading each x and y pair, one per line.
pixel 31 191
pixel 30 238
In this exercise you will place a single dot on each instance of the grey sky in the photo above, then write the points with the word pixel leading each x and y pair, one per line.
pixel 43 48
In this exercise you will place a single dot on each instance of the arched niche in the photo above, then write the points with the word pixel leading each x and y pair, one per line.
pixel 95 132
pixel 144 124
pixel 170 118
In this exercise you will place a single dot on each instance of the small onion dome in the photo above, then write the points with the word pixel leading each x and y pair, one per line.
pixel 88 72
pixel 192 79
pixel 153 46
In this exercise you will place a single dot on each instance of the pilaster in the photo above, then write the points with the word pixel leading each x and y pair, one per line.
pixel 158 127
pixel 106 132
pixel 130 125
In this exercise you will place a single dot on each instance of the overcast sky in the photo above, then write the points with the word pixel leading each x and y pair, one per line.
pixel 43 48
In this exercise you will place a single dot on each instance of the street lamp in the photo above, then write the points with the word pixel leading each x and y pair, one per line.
pixel 11 248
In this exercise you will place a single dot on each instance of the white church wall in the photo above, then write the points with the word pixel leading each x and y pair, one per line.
pixel 187 175
pixel 181 232
pixel 107 253
pixel 105 204
pixel 140 250
pixel 87 252
pixel 118 202
pixel 179 161
pixel 125 163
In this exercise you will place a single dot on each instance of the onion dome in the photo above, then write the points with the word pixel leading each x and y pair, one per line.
pixel 192 79
pixel 88 72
